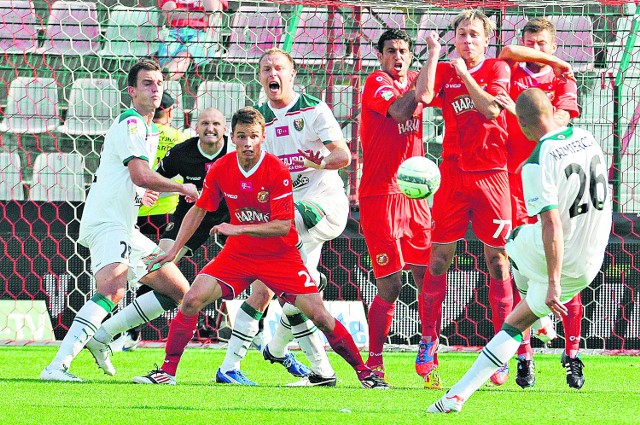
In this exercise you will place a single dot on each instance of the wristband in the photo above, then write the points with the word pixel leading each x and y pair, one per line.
pixel 310 164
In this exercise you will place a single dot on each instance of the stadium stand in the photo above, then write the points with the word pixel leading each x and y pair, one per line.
pixel 227 97
pixel 19 26
pixel 58 177
pixel 32 106
pixel 11 186
pixel 93 105
pixel 72 29
pixel 132 32
pixel 316 40
pixel 253 30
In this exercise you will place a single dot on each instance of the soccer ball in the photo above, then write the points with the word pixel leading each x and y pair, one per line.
pixel 418 177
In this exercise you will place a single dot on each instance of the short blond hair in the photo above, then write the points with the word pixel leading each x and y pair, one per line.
pixel 472 14
pixel 276 50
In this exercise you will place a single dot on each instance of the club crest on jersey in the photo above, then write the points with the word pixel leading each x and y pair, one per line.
pixel 263 196
pixel 298 124
pixel 382 259
pixel 132 127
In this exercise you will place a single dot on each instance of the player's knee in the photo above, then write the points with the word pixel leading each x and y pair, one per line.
pixel 323 320
pixel 190 304
pixel 498 265
pixel 260 298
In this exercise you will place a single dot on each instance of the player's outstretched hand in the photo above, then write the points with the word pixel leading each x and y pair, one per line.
pixel 226 229
pixel 165 257
pixel 190 192
pixel 433 42
pixel 311 159
pixel 553 300
pixel 150 197
pixel 505 101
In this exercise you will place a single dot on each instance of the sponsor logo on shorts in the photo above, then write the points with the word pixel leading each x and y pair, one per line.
pixel 263 196
pixel 298 124
pixel 382 259
pixel 282 131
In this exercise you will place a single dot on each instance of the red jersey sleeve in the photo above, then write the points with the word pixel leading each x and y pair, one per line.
pixel 379 92
pixel 443 74
pixel 211 195
pixel 566 97
pixel 281 196
pixel 500 79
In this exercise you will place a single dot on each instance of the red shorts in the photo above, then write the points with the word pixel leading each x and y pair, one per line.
pixel 480 197
pixel 285 274
pixel 518 206
pixel 397 231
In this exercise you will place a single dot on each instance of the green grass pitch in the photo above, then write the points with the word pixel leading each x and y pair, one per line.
pixel 611 394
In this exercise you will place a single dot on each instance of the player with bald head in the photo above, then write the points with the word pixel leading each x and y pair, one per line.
pixel 565 184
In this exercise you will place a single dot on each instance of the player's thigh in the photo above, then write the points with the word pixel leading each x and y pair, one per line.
pixel 450 212
pixel 323 217
pixel 260 296
pixel 287 276
pixel 204 290
pixel 168 280
pixel 490 207
pixel 416 243
pixel 382 233
pixel 311 305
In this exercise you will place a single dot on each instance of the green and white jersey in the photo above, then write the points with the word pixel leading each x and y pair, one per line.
pixel 567 171
pixel 307 123
pixel 113 197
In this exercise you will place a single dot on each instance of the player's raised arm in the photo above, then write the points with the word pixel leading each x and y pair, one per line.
pixel 425 81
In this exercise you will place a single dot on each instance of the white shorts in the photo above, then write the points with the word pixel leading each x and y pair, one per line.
pixel 110 244
pixel 526 252
pixel 330 224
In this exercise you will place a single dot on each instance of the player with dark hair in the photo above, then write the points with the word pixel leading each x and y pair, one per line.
pixel 534 66
pixel 119 252
pixel 565 184
pixel 475 182
pixel 191 160
pixel 397 229
pixel 261 245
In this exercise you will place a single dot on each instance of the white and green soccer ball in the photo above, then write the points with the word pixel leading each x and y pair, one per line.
pixel 418 177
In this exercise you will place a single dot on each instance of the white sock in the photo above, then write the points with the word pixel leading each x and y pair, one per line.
pixel 282 337
pixel 245 327
pixel 308 337
pixel 142 310
pixel 81 330
pixel 496 353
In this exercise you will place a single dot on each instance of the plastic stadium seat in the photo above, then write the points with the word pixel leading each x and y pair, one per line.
pixel 31 106
pixel 18 27
pixel 311 42
pixel 373 25
pixel 11 177
pixel 227 97
pixel 574 35
pixel 58 177
pixel 72 29
pixel 175 90
pixel 93 105
pixel 131 32
pixel 253 30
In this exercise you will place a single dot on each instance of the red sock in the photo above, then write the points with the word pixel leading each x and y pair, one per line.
pixel 180 333
pixel 434 290
pixel 524 350
pixel 572 324
pixel 380 318
pixel 342 343
pixel 501 301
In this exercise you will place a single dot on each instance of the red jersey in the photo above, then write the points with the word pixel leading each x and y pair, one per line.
pixel 477 143
pixel 260 195
pixel 562 93
pixel 386 142
pixel 198 20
